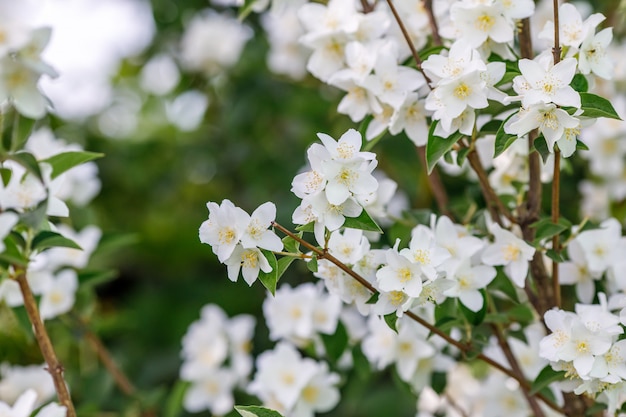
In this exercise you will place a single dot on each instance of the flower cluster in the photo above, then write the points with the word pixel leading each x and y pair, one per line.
pixel 293 385
pixel 216 359
pixel 237 238
pixel 338 184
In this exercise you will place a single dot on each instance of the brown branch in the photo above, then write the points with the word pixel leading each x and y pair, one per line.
pixel 556 51
pixel 366 6
pixel 465 348
pixel 55 368
pixel 121 380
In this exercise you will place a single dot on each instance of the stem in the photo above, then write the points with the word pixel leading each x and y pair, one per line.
pixel 434 28
pixel 367 7
pixel 407 37
pixel 121 380
pixel 465 348
pixel 556 51
pixel 494 204
pixel 55 368
pixel 556 178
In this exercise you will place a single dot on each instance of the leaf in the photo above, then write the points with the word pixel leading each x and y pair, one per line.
pixel 28 161
pixel 491 127
pixel 521 314
pixel 12 254
pixel 433 50
pixel 545 378
pixel 502 283
pixel 437 146
pixel 555 256
pixel 336 343
pixel 93 278
pixel 270 279
pixel 67 160
pixel 581 146
pixel 461 156
pixel 5 175
pixel 312 264
pixel 292 245
pixel 47 239
pixel 391 320
pixel 174 404
pixel 545 229
pixel 22 129
pixel 283 265
pixel 245 9
pixel 256 411
pixel 596 106
pixel 309 227
pixel 362 222
pixel 579 83
pixel 36 218
pixel 541 146
pixel 503 139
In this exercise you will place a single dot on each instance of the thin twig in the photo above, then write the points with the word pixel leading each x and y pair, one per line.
pixel 556 177
pixel 55 368
pixel 409 41
pixel 436 186
pixel 434 28
pixel 121 380
pixel 366 6
pixel 465 348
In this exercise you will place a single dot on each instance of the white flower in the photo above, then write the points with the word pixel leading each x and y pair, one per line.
pixel 249 261
pixel 546 83
pixel 593 55
pixel 576 271
pixel 551 121
pixel 424 250
pixel 23 407
pixel 347 148
pixel 58 298
pixel 457 95
pixel 8 219
pixel 349 247
pixel 320 394
pixel 224 228
pixel 213 41
pixel 17 379
pixel 572 29
pixel 411 117
pixel 467 281
pixel 400 274
pixel 462 59
pixel 257 233
pixel 18 85
pixel 212 392
pixel 510 251
pixel 478 22
pixel 87 239
pixel 346 179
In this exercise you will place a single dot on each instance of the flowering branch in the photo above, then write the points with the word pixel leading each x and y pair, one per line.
pixel 55 368
pixel 465 348
pixel 556 178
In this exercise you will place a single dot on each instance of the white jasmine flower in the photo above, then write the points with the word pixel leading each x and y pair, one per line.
pixel 346 179
pixel 249 261
pixel 411 117
pixel 593 56
pixel 58 297
pixel 478 22
pixel 23 406
pixel 572 29
pixel 400 274
pixel 224 228
pixel 319 395
pixel 17 379
pixel 510 251
pixel 257 233
pixel 547 84
pixel 424 250
pixel 576 271
pixel 349 247
pixel 212 392
pixel 347 148
pixel 549 119
pixel 468 280
pixel 8 220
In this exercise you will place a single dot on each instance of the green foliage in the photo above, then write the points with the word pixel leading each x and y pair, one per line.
pixel 503 139
pixel 437 147
pixel 255 411
pixel 67 160
pixel 596 106
pixel 270 279
pixel 362 222
pixel 47 239
pixel 545 378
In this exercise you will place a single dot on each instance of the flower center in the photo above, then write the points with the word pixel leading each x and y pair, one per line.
pixel 484 22
pixel 405 274
pixel 250 259
pixel 422 256
pixel 462 91
pixel 226 235
pixel 511 252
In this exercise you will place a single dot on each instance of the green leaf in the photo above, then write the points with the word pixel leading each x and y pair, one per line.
pixel 93 278
pixel 502 283
pixel 312 264
pixel 433 50
pixel 5 175
pixel 67 160
pixel 246 9
pixel 545 229
pixel 309 227
pixel 292 245
pixel 283 265
pixel 391 320
pixel 28 161
pixel 555 256
pixel 503 139
pixel 438 382
pixel 12 254
pixel 545 378
pixel 437 146
pixel 36 218
pixel 541 146
pixel 256 411
pixel 581 146
pixel 336 343
pixel 362 222
pixel 461 156
pixel 21 131
pixel 47 239
pixel 270 279
pixel 579 83
pixel 490 128
pixel 521 314
pixel 596 106
pixel 174 404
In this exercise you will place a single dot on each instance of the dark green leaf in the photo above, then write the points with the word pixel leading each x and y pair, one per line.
pixel 596 106
pixel 437 146
pixel 502 283
pixel 545 229
pixel 5 175
pixel 12 254
pixel 336 343
pixel 312 264
pixel 255 411
pixel 541 146
pixel 461 156
pixel 490 128
pixel 283 264
pixel 373 299
pixel 438 381
pixel 270 279
pixel 47 239
pixel 555 256
pixel 507 78
pixel 545 378
pixel 579 83
pixel 520 314
pixel 65 161
pixel 581 146
pixel 391 320
pixel 362 222
pixel 174 404
pixel 28 161
pixel 503 139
